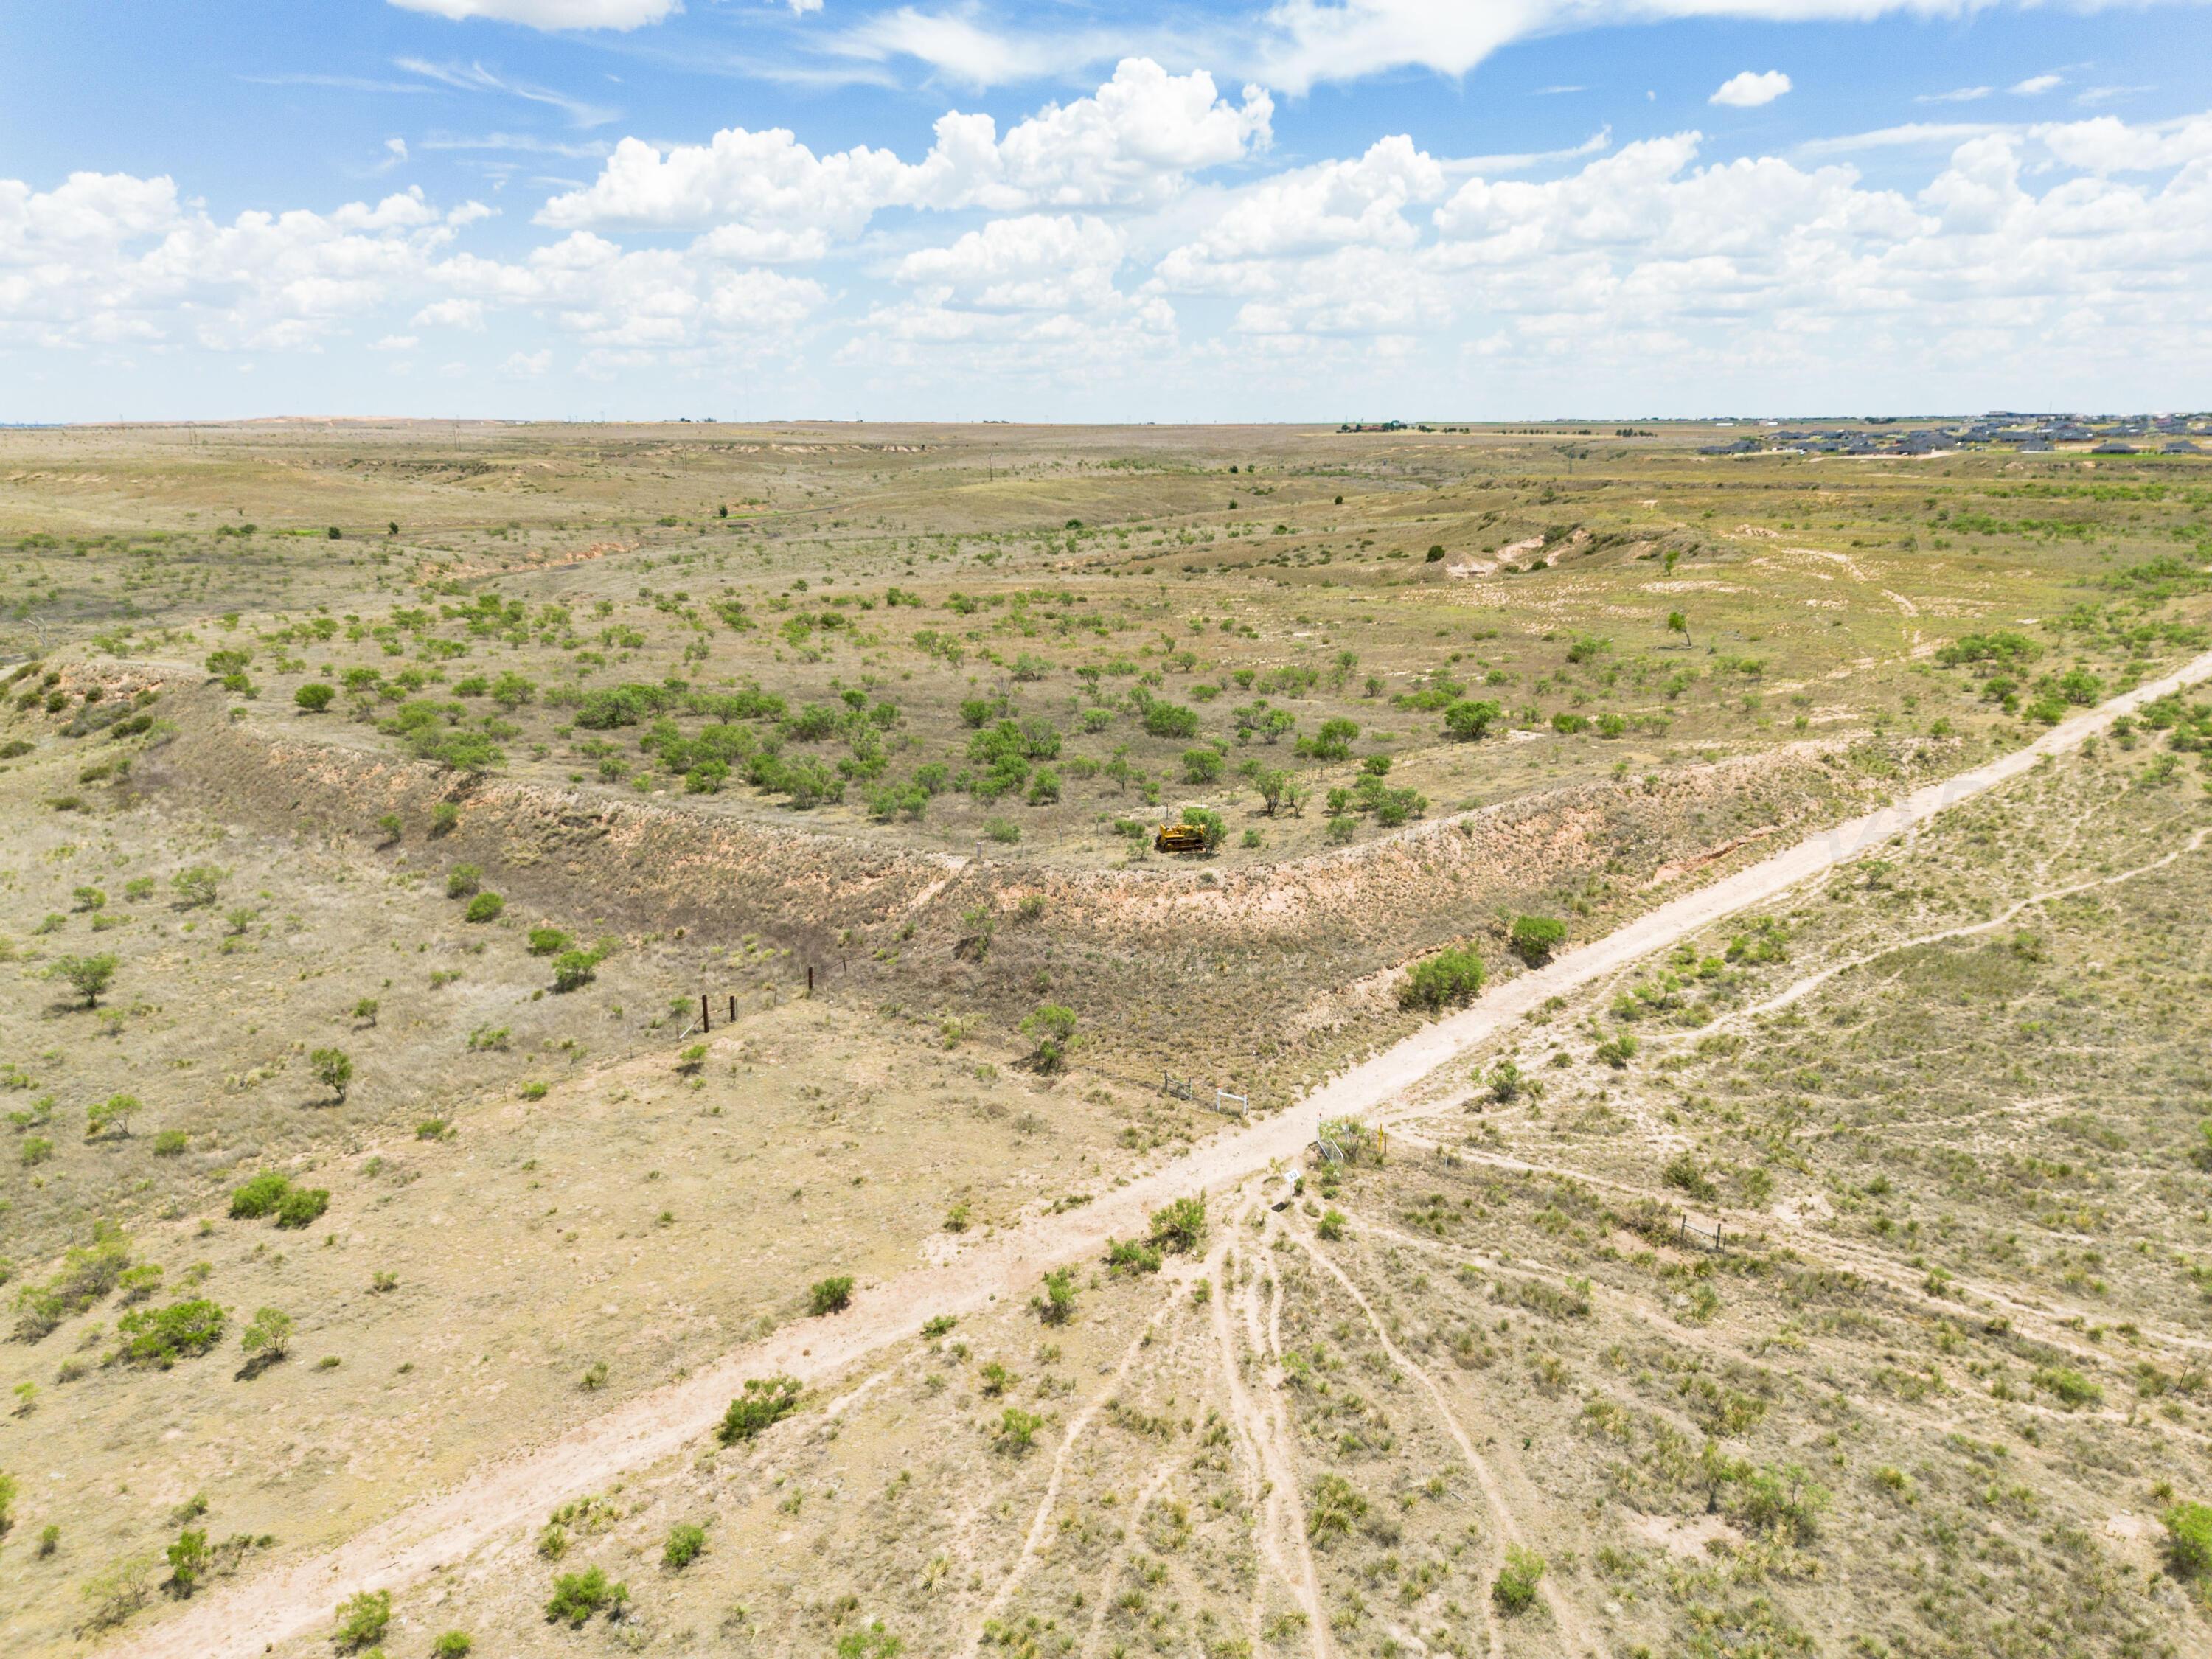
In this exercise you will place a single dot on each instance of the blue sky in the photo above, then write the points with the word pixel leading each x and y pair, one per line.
pixel 1308 210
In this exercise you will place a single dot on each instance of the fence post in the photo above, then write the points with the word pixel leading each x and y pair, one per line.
pixel 733 1008
pixel 810 979
pixel 706 1020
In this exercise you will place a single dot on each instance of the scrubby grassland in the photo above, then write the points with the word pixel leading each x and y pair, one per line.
pixel 1939 1390
pixel 357 1131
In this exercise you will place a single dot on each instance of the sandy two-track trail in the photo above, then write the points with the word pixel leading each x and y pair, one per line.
pixel 515 1490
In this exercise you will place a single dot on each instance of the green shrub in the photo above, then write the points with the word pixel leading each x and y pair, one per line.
pixel 484 906
pixel 1054 1027
pixel 1057 1305
pixel 830 1296
pixel 1452 975
pixel 1180 1227
pixel 1514 1587
pixel 464 879
pixel 548 941
pixel 1341 828
pixel 1201 765
pixel 302 1207
pixel 1331 1507
pixel 578 1595
pixel 314 698
pixel 1133 1256
pixel 1212 826
pixel 573 970
pixel 362 1619
pixel 2073 1390
pixel 1330 1226
pixel 1018 1430
pixel 199 885
pixel 2189 1539
pixel 683 1547
pixel 171 1143
pixel 1535 938
pixel 765 1402
pixel 1005 831
pixel 1169 719
pixel 1683 1174
pixel 162 1336
pixel 453 1644
pixel 1617 1051
pixel 258 1197
pixel 1469 720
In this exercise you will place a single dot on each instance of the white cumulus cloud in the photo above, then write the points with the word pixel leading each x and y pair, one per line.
pixel 1750 89
pixel 1136 141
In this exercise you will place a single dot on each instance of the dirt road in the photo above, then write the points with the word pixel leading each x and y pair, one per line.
pixel 515 1492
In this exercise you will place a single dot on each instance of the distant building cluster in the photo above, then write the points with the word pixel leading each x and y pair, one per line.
pixel 2133 434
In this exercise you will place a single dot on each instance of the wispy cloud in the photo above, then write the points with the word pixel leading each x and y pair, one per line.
pixel 1487 166
pixel 2094 95
pixel 2036 85
pixel 524 142
pixel 475 77
pixel 1957 95
pixel 339 82
pixel 1554 91
pixel 1905 137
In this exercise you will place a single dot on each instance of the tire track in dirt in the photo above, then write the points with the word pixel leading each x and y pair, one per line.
pixel 1281 1513
pixel 1503 1529
pixel 1041 1522
pixel 509 1493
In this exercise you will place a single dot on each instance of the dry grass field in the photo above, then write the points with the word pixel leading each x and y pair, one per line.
pixel 1832 1282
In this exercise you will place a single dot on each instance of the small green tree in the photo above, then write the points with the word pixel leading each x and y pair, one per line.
pixel 1057 1305
pixel 1535 938
pixel 199 886
pixel 365 1010
pixel 573 970
pixel 2189 1539
pixel 766 1401
pixel 1452 975
pixel 88 976
pixel 1515 1588
pixel 315 698
pixel 830 1296
pixel 463 880
pixel 362 1619
pixel 1468 718
pixel 190 1560
pixel 112 1112
pixel 1676 621
pixel 1180 1227
pixel 578 1595
pixel 1018 1430
pixel 1054 1027
pixel 268 1339
pixel 685 1540
pixel 333 1069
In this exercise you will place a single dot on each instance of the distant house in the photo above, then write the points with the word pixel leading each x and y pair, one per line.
pixel 2114 449
pixel 2183 447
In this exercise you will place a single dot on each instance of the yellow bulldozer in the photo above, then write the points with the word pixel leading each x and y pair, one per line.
pixel 1181 836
